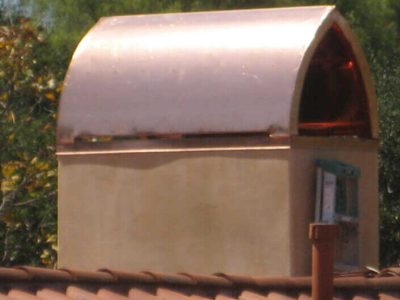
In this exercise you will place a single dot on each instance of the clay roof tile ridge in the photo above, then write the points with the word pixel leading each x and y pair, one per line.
pixel 45 274
pixel 90 276
pixel 239 280
pixel 176 279
pixel 129 277
pixel 208 280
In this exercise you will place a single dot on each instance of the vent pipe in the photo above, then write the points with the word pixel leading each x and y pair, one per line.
pixel 323 238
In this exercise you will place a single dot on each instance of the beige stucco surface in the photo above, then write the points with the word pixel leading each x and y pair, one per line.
pixel 199 212
pixel 302 197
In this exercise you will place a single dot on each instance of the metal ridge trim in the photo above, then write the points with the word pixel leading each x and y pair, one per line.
pixel 164 150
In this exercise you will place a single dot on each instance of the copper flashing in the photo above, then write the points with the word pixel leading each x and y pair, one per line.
pixel 205 144
pixel 187 74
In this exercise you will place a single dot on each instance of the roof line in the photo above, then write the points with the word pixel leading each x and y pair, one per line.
pixel 173 150
pixel 387 279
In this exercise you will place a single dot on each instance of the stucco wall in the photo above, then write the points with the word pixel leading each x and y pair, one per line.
pixel 199 212
pixel 302 197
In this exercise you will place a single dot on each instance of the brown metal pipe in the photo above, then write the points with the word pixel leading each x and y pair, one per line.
pixel 323 238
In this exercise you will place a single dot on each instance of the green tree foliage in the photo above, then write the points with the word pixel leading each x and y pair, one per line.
pixel 377 24
pixel 68 20
pixel 389 87
pixel 28 93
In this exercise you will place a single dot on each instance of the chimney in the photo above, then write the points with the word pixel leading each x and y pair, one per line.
pixel 200 155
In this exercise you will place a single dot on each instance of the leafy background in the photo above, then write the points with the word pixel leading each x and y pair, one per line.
pixel 37 39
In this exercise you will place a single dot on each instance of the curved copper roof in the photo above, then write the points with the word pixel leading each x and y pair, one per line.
pixel 195 73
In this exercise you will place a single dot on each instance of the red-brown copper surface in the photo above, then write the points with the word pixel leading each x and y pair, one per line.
pixel 169 75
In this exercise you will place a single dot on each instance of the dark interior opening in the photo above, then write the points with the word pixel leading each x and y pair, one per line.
pixel 334 100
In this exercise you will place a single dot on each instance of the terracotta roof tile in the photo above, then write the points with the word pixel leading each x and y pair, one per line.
pixel 223 297
pixel 123 276
pixel 197 297
pixel 171 278
pixel 283 282
pixel 81 294
pixel 363 297
pixel 47 294
pixel 45 274
pixel 12 274
pixel 166 294
pixel 340 297
pixel 89 276
pixel 279 296
pixel 137 294
pixel 239 280
pixel 303 296
pixel 27 283
pixel 209 280
pixel 391 296
pixel 21 295
pixel 249 295
pixel 110 295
